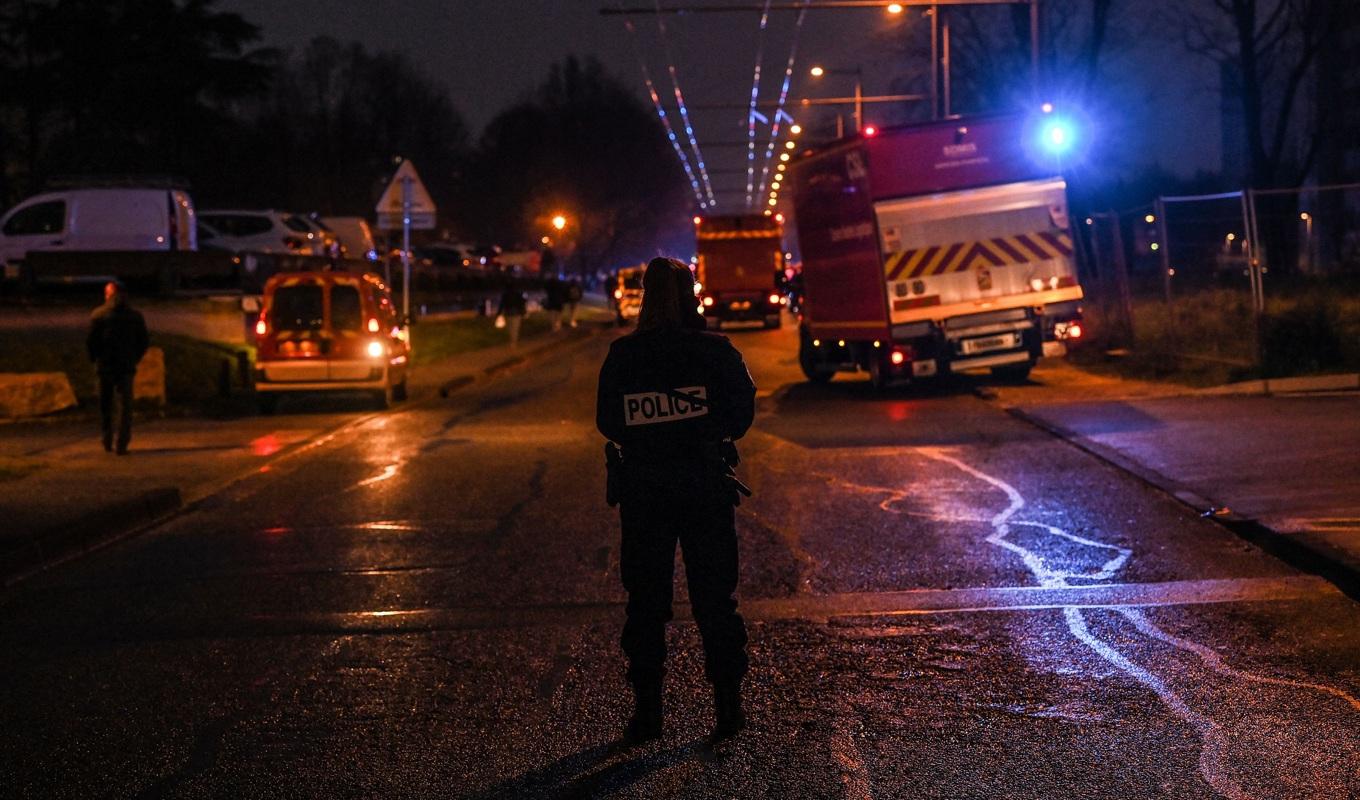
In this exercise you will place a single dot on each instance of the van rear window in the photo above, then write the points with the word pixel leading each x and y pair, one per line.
pixel 347 312
pixel 298 308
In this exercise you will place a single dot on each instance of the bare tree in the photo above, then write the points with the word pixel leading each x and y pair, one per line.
pixel 1271 48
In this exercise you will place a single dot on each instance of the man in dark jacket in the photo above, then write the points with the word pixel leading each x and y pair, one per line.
pixel 116 344
pixel 673 399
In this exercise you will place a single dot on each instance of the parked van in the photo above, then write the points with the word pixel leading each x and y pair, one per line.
pixel 329 331
pixel 356 238
pixel 121 218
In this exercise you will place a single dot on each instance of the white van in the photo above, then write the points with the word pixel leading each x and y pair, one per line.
pixel 97 219
pixel 355 237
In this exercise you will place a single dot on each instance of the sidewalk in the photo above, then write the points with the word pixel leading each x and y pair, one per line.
pixel 1282 470
pixel 61 494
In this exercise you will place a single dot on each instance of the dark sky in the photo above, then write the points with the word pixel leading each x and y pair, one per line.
pixel 490 52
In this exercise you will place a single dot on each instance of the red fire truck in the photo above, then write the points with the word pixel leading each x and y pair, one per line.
pixel 740 259
pixel 937 247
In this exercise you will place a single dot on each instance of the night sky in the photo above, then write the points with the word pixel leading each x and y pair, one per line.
pixel 490 52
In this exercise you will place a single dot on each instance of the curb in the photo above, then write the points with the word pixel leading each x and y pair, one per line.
pixel 1272 386
pixel 460 381
pixel 90 531
pixel 1296 550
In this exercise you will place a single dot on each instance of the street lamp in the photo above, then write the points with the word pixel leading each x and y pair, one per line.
pixel 559 222
pixel 858 72
pixel 1307 239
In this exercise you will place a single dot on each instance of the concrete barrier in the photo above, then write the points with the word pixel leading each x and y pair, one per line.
pixel 150 381
pixel 32 394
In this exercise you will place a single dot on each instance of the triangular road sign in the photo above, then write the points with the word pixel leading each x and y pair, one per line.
pixel 391 205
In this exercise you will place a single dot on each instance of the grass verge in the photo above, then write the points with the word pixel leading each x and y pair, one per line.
pixel 435 340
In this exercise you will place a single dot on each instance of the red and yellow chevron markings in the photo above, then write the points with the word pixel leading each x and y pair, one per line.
pixel 1001 251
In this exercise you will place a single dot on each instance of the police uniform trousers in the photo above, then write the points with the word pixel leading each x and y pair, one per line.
pixel 695 510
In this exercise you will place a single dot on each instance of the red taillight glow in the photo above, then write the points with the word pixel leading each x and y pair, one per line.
pixel 261 327
pixel 897 357
pixel 1074 330
pixel 870 130
pixel 373 325
pixel 774 299
pixel 708 301
pixel 618 294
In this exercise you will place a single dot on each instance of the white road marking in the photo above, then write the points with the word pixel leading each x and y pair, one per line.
pixel 1213 762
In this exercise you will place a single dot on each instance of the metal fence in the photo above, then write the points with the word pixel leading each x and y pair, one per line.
pixel 1248 282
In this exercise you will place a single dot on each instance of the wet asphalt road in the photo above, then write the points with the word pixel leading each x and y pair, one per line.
pixel 944 603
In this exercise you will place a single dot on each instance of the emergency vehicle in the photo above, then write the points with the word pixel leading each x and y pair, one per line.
pixel 627 294
pixel 740 259
pixel 325 331
pixel 936 247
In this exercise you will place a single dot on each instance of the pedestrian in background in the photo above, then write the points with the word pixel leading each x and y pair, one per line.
pixel 573 300
pixel 512 309
pixel 554 298
pixel 673 399
pixel 116 343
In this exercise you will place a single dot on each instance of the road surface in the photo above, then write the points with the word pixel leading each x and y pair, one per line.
pixel 944 602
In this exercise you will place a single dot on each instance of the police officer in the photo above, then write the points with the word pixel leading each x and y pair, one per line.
pixel 673 398
pixel 116 343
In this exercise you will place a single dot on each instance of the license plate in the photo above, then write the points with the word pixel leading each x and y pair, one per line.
pixel 986 344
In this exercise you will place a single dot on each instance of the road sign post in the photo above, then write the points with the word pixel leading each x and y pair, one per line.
pixel 405 204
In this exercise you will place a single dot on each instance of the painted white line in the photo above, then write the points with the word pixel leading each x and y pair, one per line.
pixel 1215 662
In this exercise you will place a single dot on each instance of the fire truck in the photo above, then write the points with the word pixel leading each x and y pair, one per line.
pixel 936 247
pixel 740 260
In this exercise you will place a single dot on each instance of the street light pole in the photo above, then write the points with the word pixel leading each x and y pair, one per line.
pixel 859 99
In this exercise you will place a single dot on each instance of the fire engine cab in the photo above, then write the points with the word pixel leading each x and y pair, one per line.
pixel 932 248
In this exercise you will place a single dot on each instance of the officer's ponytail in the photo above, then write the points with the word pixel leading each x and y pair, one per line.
pixel 660 295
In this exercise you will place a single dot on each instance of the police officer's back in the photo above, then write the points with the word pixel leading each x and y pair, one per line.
pixel 673 398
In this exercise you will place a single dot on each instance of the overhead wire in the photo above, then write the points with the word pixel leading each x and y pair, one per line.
pixel 661 112
pixel 684 112
pixel 751 113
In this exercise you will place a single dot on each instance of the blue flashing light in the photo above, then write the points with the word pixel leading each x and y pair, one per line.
pixel 1057 136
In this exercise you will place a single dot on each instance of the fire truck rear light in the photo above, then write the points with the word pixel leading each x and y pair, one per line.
pixel 708 301
pixel 774 299
pixel 816 342
pixel 618 294
pixel 373 325
pixel 1074 330
pixel 261 327
pixel 898 357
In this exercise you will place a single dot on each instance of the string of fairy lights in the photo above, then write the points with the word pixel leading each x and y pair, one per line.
pixel 689 152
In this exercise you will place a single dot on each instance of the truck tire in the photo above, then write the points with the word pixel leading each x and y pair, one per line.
pixel 1013 373
pixel 878 373
pixel 813 369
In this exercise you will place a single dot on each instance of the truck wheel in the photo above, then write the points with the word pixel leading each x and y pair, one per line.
pixel 813 369
pixel 878 373
pixel 1013 373
pixel 268 403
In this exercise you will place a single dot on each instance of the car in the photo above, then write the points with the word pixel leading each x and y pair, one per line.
pixel 261 232
pixel 326 331
pixel 355 235
pixel 329 243
pixel 122 218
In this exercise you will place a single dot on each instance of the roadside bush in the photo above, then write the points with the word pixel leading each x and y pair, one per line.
pixel 1303 339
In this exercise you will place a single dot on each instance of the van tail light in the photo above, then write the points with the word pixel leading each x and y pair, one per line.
pixel 618 294
pixel 774 299
pixel 261 327
pixel 898 357
pixel 1074 330
pixel 373 325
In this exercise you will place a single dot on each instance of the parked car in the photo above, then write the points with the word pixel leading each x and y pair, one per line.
pixel 356 237
pixel 113 218
pixel 329 331
pixel 322 234
pixel 262 232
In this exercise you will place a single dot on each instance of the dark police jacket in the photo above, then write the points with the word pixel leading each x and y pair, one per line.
pixel 117 339
pixel 646 384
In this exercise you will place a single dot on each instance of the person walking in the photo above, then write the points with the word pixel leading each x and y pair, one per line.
pixel 116 343
pixel 573 300
pixel 671 401
pixel 554 298
pixel 513 308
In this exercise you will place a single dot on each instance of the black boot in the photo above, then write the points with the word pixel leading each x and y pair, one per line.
pixel 646 722
pixel 729 719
